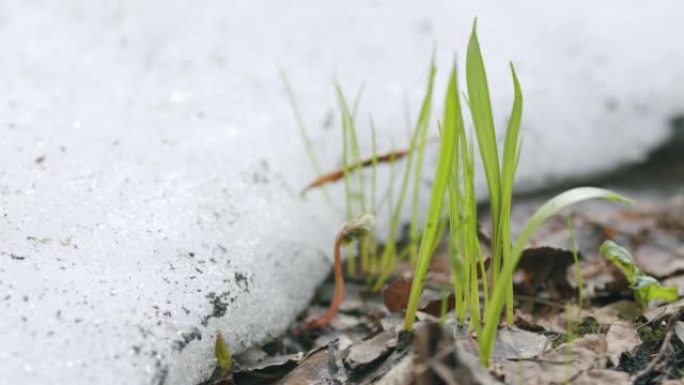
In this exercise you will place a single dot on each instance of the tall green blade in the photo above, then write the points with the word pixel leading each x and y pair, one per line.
pixel 389 252
pixel 508 167
pixel 421 130
pixel 483 120
pixel 442 176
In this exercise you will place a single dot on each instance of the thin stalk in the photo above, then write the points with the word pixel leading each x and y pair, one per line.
pixel 441 179
pixel 389 253
pixel 303 131
pixel 578 271
pixel 422 128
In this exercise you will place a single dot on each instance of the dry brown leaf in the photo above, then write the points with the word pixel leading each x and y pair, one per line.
pixel 621 337
pixel 396 294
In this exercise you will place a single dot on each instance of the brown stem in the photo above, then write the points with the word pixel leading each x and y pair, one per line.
pixel 329 314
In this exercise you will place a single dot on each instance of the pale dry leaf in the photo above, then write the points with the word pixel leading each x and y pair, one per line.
pixel 679 330
pixel 621 337
pixel 558 366
pixel 601 377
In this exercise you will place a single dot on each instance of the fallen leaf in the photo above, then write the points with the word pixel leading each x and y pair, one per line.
pixel 396 294
pixel 622 337
pixel 620 310
pixel 659 260
pixel 601 377
pixel 360 355
pixel 510 343
pixel 566 362
pixel 672 215
pixel 664 311
pixel 400 374
pixel 679 330
pixel 314 369
pixel 438 361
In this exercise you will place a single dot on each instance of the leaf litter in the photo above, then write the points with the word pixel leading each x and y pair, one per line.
pixel 612 340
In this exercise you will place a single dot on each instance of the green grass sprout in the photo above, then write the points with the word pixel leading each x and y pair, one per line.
pixel 482 285
pixel 390 251
pixel 421 131
pixel 315 164
pixel 578 271
pixel 441 180
pixel 224 361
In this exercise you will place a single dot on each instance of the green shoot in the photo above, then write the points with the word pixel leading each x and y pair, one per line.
pixel 442 175
pixel 390 251
pixel 548 209
pixel 483 121
pixel 224 361
pixel 443 305
pixel 646 288
pixel 421 132
pixel 578 272
pixel 351 155
pixel 303 132
pixel 479 299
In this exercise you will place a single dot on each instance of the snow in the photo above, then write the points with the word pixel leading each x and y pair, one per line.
pixel 150 166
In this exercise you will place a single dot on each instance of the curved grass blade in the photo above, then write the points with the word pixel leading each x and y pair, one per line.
pixel 548 209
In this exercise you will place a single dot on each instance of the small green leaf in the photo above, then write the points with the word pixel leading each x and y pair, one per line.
pixel 620 257
pixel 224 360
pixel 646 288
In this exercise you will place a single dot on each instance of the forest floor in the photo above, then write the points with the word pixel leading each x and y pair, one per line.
pixel 610 340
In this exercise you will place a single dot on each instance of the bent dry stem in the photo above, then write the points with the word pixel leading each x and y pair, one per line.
pixel 354 229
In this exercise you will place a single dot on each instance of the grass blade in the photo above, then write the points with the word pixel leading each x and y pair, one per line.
pixel 483 121
pixel 389 252
pixel 442 176
pixel 511 155
pixel 315 164
pixel 421 130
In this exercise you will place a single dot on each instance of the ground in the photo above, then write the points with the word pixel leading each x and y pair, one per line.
pixel 610 340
